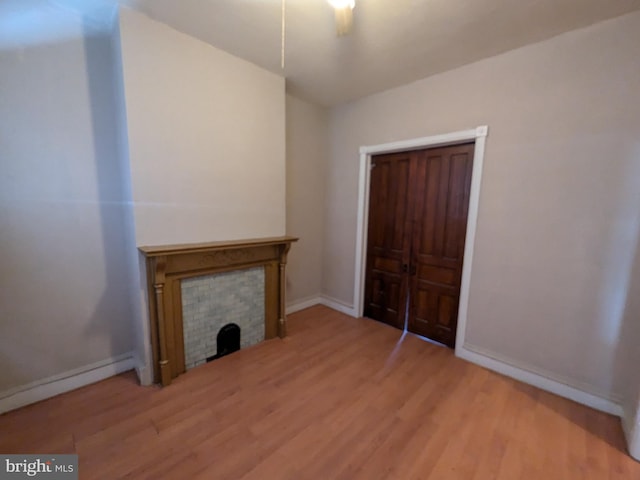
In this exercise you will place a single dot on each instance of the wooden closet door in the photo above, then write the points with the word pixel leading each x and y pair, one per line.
pixel 389 239
pixel 440 194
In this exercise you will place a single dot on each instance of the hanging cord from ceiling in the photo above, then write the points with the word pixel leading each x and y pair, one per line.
pixel 283 34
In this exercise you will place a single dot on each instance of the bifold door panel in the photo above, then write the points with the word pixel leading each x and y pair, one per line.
pixel 418 210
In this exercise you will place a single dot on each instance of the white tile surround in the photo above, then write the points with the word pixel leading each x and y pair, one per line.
pixel 212 301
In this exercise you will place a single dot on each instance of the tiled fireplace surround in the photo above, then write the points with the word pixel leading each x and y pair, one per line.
pixel 210 302
pixel 195 289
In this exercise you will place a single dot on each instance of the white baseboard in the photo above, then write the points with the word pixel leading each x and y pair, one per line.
pixel 322 300
pixel 144 373
pixel 338 305
pixel 634 442
pixel 627 427
pixel 64 382
pixel 304 303
pixel 505 367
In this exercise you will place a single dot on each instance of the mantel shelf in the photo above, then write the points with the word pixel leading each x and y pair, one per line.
pixel 159 250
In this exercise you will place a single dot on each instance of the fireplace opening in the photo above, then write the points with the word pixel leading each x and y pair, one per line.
pixel 227 341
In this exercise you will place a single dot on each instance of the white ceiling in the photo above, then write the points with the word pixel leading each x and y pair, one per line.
pixel 393 42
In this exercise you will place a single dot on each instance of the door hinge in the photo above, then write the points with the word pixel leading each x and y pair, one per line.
pixel 372 166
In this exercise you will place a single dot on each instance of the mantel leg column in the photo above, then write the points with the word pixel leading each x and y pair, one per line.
pixel 282 318
pixel 165 370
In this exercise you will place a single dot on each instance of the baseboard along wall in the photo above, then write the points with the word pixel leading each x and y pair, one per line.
pixel 64 382
pixel 500 365
pixel 541 380
pixel 332 303
pixel 71 380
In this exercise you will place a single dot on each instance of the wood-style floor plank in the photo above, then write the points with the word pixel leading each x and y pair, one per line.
pixel 340 399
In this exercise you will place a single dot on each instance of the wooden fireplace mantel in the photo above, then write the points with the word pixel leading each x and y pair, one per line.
pixel 167 265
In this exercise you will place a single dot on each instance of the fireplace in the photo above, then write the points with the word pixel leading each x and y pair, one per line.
pixel 211 303
pixel 171 271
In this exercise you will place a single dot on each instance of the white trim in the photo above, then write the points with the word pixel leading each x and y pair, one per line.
pixel 627 421
pixel 322 300
pixel 339 306
pixel 424 142
pixel 364 183
pixel 470 240
pixel 144 373
pixel 64 382
pixel 537 379
pixel 478 135
pixel 634 442
pixel 631 428
pixel 302 304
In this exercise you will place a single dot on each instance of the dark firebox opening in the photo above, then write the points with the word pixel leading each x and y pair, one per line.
pixel 228 341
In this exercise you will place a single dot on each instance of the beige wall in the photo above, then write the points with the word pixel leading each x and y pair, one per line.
pixel 558 216
pixel 307 150
pixel 206 145
pixel 64 301
pixel 206 138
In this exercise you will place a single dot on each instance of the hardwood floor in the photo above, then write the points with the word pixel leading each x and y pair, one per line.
pixel 338 399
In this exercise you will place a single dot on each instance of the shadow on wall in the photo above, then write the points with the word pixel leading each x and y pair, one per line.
pixel 627 377
pixel 64 292
pixel 610 281
pixel 113 192
pixel 616 324
pixel 619 298
pixel 626 309
pixel 613 306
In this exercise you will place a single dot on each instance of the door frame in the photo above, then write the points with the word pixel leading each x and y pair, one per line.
pixel 479 135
